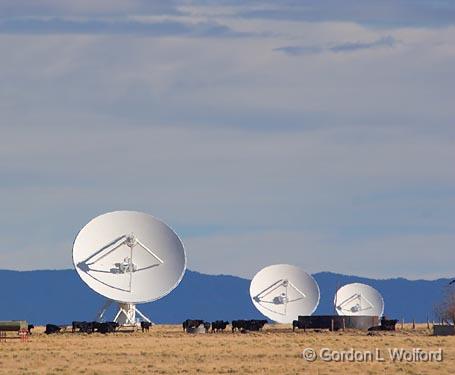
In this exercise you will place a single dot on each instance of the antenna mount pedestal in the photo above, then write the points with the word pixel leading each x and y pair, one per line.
pixel 126 314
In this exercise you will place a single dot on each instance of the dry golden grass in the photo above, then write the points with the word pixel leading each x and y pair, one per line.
pixel 167 350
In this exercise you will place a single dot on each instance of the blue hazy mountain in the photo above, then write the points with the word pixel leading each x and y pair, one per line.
pixel 59 296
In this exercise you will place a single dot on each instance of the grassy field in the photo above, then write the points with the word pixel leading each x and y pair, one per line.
pixel 167 350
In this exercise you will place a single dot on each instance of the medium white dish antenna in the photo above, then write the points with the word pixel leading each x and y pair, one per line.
pixel 283 292
pixel 358 299
pixel 129 257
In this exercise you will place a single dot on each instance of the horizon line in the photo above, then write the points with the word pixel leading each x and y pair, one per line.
pixel 246 278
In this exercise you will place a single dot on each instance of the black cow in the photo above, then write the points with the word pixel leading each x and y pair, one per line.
pixel 90 327
pixel 106 327
pixel 145 326
pixel 52 328
pixel 238 325
pixel 191 323
pixel 206 326
pixel 82 326
pixel 256 325
pixel 29 328
pixel 219 325
pixel 248 325
pixel 386 325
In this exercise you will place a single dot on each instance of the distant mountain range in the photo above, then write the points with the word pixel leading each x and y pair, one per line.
pixel 60 296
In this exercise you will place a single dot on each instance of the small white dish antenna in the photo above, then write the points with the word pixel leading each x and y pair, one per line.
pixel 129 257
pixel 358 299
pixel 283 292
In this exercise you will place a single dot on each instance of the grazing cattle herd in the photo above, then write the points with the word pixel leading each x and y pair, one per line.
pixel 85 327
pixel 188 325
pixel 220 325
pixel 90 327
pixel 248 325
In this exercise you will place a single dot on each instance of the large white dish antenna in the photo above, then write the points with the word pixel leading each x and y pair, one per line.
pixel 358 299
pixel 129 257
pixel 283 292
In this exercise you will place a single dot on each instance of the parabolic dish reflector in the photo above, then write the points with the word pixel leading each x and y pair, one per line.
pixel 129 257
pixel 283 292
pixel 358 299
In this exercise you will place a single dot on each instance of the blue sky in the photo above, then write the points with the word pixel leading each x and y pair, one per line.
pixel 300 132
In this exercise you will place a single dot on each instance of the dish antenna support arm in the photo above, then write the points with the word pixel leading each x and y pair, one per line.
pixel 276 285
pixel 297 289
pixel 107 249
pixel 352 298
pixel 149 251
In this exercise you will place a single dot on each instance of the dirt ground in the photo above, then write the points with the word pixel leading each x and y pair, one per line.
pixel 276 350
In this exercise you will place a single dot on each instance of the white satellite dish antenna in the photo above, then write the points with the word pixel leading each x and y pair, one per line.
pixel 129 257
pixel 358 299
pixel 283 292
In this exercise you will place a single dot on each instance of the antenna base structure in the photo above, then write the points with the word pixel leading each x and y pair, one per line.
pixel 126 313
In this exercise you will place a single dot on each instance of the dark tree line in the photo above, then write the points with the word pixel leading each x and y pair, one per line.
pixel 445 310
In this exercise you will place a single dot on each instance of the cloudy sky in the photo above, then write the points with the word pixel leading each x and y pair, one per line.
pixel 303 132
